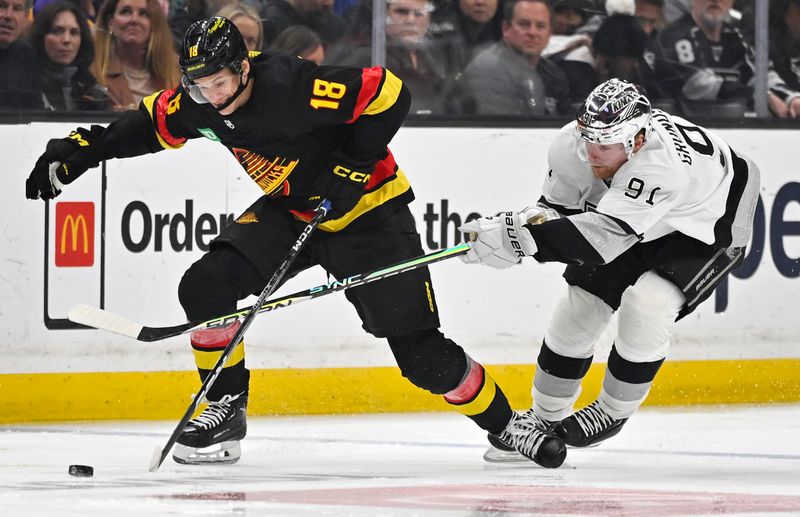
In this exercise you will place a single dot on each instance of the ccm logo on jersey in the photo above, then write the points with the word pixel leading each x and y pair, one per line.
pixel 354 176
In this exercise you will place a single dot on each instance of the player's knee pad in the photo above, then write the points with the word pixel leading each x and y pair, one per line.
pixel 646 317
pixel 429 360
pixel 212 285
pixel 577 322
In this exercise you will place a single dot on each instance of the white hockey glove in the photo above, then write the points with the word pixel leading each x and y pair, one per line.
pixel 501 241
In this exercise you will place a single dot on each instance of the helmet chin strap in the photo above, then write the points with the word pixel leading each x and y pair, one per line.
pixel 239 90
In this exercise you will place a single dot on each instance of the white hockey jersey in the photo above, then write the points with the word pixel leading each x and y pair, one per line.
pixel 684 179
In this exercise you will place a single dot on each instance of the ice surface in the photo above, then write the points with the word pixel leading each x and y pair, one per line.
pixel 688 461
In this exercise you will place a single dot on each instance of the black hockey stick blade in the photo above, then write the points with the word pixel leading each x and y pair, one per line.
pixel 274 282
pixel 104 320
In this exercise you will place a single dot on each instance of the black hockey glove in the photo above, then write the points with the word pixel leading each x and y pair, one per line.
pixel 63 160
pixel 342 182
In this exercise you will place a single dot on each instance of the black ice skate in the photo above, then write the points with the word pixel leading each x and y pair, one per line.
pixel 501 452
pixel 527 435
pixel 213 437
pixel 589 426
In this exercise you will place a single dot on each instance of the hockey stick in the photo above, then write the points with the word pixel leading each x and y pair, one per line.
pixel 104 320
pixel 319 214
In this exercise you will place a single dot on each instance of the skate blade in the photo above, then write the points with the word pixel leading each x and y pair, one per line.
pixel 495 455
pixel 224 453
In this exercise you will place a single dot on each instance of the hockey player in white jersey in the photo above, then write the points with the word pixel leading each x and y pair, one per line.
pixel 650 212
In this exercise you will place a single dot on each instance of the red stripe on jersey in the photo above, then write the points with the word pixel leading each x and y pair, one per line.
pixel 371 79
pixel 383 169
pixel 161 118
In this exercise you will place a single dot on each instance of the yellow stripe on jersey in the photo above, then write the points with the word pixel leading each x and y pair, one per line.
pixel 482 401
pixel 388 191
pixel 149 103
pixel 387 96
pixel 206 359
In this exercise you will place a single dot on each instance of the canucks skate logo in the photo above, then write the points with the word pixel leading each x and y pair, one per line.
pixel 269 175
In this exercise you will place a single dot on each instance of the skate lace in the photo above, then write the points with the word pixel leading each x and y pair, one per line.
pixel 592 419
pixel 215 413
pixel 524 434
pixel 539 422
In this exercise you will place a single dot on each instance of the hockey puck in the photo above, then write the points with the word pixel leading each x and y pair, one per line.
pixel 81 471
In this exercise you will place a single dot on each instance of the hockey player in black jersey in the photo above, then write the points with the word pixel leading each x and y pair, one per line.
pixel 703 57
pixel 650 212
pixel 302 132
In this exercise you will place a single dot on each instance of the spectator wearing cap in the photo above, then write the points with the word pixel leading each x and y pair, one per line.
pixel 19 70
pixel 60 34
pixel 570 15
pixel 512 77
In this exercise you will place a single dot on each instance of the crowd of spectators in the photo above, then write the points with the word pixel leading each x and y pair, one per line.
pixel 510 58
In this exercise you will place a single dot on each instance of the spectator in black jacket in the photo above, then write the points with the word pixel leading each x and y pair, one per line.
pixel 650 15
pixel 784 37
pixel 60 34
pixel 619 51
pixel 19 71
pixel 702 57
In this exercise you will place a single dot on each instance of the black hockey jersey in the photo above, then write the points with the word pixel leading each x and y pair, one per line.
pixel 689 64
pixel 297 115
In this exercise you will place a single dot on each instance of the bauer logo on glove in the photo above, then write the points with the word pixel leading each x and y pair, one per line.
pixel 501 241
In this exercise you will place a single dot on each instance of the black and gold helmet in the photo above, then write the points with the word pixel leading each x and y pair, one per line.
pixel 211 45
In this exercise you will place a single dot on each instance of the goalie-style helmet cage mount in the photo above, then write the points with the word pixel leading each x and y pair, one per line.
pixel 209 46
pixel 614 112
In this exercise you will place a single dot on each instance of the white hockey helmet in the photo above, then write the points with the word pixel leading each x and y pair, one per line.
pixel 615 112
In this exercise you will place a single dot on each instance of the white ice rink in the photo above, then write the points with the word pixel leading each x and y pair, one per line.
pixel 698 461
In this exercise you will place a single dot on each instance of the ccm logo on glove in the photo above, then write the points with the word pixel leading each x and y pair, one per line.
pixel 78 138
pixel 354 176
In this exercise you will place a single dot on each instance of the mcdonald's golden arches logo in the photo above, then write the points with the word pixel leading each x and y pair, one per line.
pixel 74 240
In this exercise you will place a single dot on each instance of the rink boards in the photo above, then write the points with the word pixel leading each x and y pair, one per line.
pixel 125 247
